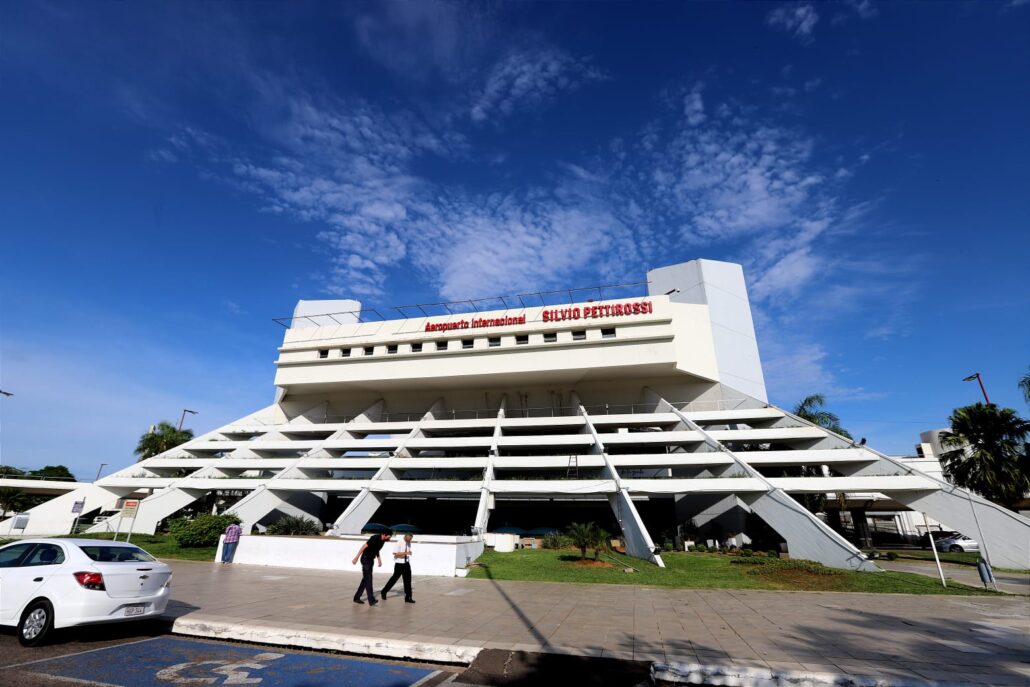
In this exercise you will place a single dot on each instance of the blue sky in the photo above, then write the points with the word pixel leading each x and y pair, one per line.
pixel 173 177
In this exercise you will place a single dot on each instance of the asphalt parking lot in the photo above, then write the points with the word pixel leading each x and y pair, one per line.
pixel 144 655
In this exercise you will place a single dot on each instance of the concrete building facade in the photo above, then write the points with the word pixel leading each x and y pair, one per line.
pixel 643 413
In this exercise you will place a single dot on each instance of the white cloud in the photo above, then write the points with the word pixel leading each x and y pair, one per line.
pixel 694 106
pixel 799 19
pixel 529 80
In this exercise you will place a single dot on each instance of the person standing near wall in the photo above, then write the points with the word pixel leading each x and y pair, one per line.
pixel 401 567
pixel 229 543
pixel 368 552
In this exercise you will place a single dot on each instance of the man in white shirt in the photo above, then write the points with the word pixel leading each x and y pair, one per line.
pixel 401 568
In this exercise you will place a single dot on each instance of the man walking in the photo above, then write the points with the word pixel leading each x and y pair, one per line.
pixel 368 552
pixel 401 567
pixel 232 538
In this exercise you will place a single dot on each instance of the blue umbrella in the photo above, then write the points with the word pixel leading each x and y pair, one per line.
pixel 510 530
pixel 542 531
pixel 376 527
pixel 405 528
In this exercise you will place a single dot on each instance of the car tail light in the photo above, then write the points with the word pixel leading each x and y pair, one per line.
pixel 90 580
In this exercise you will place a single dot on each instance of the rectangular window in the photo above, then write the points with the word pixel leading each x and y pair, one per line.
pixel 494 341
pixel 550 337
pixel 608 333
pixel 579 335
pixel 468 343
pixel 323 353
pixel 441 345
pixel 344 352
pixel 416 348
pixel 369 350
pixel 522 339
pixel 392 348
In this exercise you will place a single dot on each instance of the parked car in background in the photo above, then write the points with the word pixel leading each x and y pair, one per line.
pixel 105 515
pixel 54 583
pixel 957 544
pixel 937 535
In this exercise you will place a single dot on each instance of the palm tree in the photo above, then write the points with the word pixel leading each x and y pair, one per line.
pixel 988 452
pixel 602 542
pixel 811 408
pixel 11 500
pixel 162 438
pixel 1024 386
pixel 583 536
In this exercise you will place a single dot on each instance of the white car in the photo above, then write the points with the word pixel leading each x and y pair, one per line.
pixel 53 583
pixel 957 544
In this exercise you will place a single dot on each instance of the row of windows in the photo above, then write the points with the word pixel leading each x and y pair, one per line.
pixel 445 344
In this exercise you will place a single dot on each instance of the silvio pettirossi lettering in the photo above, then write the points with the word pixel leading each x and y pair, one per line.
pixel 587 312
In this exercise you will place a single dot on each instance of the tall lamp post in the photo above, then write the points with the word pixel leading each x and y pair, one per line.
pixel 99 470
pixel 3 395
pixel 183 417
pixel 977 377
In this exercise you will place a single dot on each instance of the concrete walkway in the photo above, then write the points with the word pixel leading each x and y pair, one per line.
pixel 982 640
pixel 1010 583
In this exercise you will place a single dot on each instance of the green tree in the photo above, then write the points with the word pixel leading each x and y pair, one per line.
pixel 54 472
pixel 11 500
pixel 1024 386
pixel 582 536
pixel 602 542
pixel 812 408
pixel 988 452
pixel 162 438
pixel 8 471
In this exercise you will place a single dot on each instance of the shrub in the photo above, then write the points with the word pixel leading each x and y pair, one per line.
pixel 555 540
pixel 294 524
pixel 747 552
pixel 667 546
pixel 772 553
pixel 701 548
pixel 891 556
pixel 203 530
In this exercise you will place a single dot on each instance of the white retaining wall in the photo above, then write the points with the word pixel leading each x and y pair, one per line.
pixel 431 554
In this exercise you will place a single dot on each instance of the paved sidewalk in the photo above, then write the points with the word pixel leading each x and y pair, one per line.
pixel 983 640
pixel 1010 583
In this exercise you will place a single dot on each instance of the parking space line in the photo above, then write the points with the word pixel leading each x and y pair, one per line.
pixel 79 653
pixel 78 681
pixel 426 679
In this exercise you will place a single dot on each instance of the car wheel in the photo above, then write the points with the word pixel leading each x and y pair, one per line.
pixel 36 623
pixel 955 548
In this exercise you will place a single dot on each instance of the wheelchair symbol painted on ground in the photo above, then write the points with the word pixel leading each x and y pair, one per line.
pixel 225 672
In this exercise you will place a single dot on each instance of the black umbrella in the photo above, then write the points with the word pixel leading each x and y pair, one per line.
pixel 405 528
pixel 376 527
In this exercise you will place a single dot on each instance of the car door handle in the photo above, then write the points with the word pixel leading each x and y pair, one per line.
pixel 38 579
pixel 144 577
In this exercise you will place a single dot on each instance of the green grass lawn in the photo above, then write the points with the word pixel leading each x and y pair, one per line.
pixel 698 571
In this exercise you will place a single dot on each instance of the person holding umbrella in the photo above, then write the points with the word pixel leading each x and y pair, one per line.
pixel 401 566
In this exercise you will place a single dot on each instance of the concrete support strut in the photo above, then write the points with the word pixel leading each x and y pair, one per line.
pixel 638 540
pixel 807 536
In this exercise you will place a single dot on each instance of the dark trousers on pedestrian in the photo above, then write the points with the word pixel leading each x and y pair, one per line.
pixel 366 582
pixel 400 570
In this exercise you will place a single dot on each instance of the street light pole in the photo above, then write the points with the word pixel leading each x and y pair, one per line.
pixel 3 395
pixel 183 417
pixel 99 470
pixel 977 377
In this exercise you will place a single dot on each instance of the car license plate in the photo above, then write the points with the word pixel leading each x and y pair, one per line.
pixel 135 610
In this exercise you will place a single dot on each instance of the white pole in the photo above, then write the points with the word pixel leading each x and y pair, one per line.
pixel 933 547
pixel 118 528
pixel 979 532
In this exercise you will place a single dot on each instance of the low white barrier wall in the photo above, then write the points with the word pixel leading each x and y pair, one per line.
pixel 430 554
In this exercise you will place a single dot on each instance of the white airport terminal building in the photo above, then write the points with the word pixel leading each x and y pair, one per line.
pixel 641 408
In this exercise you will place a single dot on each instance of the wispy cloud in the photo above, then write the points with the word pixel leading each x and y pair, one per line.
pixel 529 80
pixel 798 19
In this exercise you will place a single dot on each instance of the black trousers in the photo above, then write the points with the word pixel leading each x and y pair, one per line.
pixel 400 570
pixel 366 582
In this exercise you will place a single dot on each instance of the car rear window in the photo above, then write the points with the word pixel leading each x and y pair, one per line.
pixel 116 554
